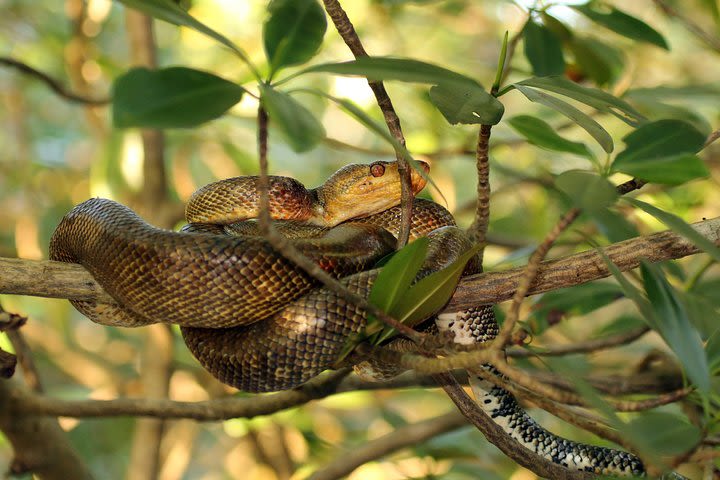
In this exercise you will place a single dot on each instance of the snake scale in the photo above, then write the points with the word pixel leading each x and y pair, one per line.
pixel 255 320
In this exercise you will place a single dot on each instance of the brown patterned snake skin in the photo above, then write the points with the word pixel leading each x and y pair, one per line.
pixel 259 323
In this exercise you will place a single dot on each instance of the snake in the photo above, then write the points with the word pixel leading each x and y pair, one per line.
pixel 258 322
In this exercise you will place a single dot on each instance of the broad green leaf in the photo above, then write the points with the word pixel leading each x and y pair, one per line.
pixel 577 300
pixel 302 130
pixel 675 327
pixel 593 97
pixel 663 152
pixel 466 104
pixel 587 190
pixel 599 61
pixel 293 32
pixel 171 12
pixel 543 50
pixel 623 24
pixel 543 135
pixel 431 293
pixel 679 226
pixel 666 433
pixel 583 120
pixel 614 226
pixel 670 170
pixel 396 276
pixel 391 68
pixel 560 30
pixel 173 97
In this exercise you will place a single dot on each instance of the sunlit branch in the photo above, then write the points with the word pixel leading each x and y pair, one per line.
pixel 53 84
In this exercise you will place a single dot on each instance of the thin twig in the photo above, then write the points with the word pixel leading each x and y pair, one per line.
pixel 54 85
pixel 347 32
pixel 710 40
pixel 592 345
pixel 11 324
pixel 531 271
pixel 478 229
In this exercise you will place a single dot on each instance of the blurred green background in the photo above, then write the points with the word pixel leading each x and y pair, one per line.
pixel 56 154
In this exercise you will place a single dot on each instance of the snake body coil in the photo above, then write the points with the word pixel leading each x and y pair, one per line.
pixel 258 322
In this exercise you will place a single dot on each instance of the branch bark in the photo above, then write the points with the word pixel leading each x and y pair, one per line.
pixel 43 278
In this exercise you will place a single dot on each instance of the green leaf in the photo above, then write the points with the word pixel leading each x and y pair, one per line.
pixel 670 170
pixel 543 50
pixel 302 130
pixel 663 152
pixel 173 97
pixel 293 32
pixel 631 291
pixel 431 293
pixel 598 60
pixel 623 24
pixel 593 97
pixel 391 68
pixel 613 225
pixel 679 226
pixel 587 190
pixel 171 12
pixel 674 326
pixel 466 104
pixel 666 433
pixel 577 300
pixel 543 135
pixel 584 121
pixel 395 278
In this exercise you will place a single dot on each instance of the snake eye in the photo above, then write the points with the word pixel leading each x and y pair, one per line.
pixel 377 169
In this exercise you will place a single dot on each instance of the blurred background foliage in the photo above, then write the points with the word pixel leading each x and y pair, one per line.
pixel 56 154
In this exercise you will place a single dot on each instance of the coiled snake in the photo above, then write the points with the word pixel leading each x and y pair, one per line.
pixel 255 320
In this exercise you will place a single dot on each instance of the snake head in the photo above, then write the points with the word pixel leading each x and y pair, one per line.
pixel 359 190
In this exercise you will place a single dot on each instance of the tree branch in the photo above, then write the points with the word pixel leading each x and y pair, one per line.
pixel 44 278
pixel 54 85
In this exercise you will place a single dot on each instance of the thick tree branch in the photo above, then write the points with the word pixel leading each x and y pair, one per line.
pixel 42 278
